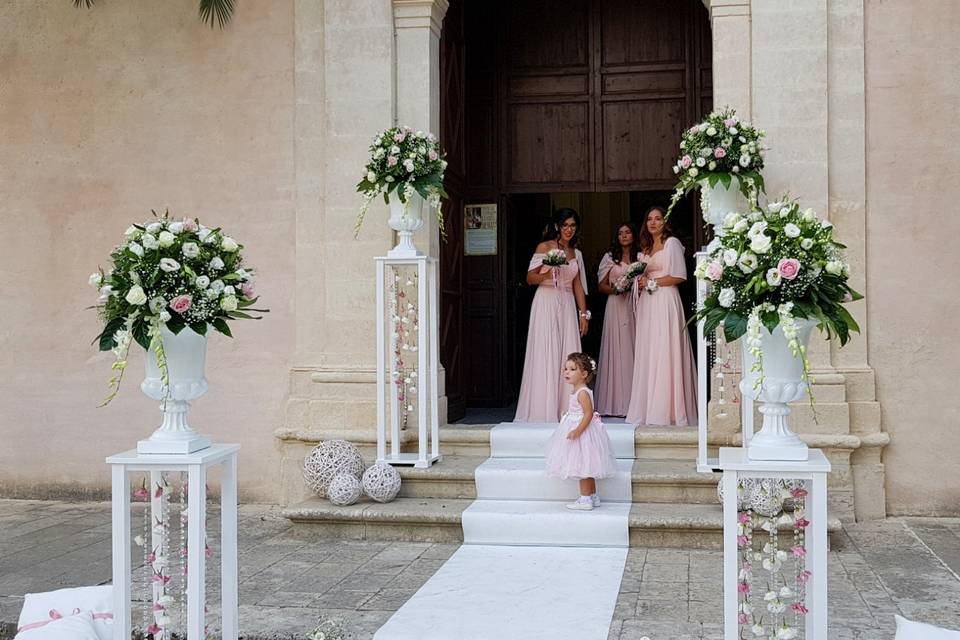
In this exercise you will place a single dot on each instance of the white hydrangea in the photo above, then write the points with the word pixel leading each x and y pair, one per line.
pixel 834 267
pixel 727 297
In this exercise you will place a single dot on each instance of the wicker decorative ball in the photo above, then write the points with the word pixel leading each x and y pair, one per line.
pixel 381 482
pixel 765 496
pixel 329 459
pixel 344 489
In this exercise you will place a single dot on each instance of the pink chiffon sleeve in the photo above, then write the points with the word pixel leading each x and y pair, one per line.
pixel 605 265
pixel 536 261
pixel 675 265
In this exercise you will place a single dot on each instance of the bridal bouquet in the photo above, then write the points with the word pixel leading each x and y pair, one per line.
pixel 624 283
pixel 403 162
pixel 172 273
pixel 555 258
pixel 719 150
pixel 774 265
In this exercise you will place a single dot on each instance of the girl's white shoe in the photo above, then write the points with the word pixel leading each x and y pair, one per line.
pixel 595 499
pixel 583 503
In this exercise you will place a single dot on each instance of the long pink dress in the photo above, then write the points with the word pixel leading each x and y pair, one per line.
pixel 664 376
pixel 615 369
pixel 554 334
pixel 590 455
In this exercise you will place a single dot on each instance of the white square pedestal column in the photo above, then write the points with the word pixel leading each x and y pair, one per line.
pixel 196 466
pixel 736 467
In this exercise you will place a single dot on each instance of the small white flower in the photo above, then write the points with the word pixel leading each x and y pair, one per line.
pixel 149 241
pixel 731 219
pixel 726 297
pixel 175 228
pixel 770 596
pixel 169 265
pixel 747 262
pixel 132 232
pixel 190 249
pixel 229 245
pixel 136 295
pixel 216 263
pixel 741 226
pixel 228 303
pixel 211 238
pixel 371 176
pixel 229 290
pixel 154 228
pixel 202 282
pixel 745 160
pixel 394 149
pixel 135 249
pixel 775 207
pixel 733 131
pixel 758 630
pixel 711 131
pixel 714 245
pixel 157 304
pixel 834 267
pixel 95 280
pixel 730 257
pixel 701 162
pixel 164 316
pixel 203 233
pixel 138 540
pixel 808 215
pixel 217 286
pixel 791 230
pixel 165 600
pixel 760 244
pixel 693 172
pixel 786 592
pixel 211 294
pixel 757 229
pixel 807 243
pixel 712 165
pixel 166 239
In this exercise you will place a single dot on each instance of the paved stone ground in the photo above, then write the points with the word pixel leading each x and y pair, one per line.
pixel 289 578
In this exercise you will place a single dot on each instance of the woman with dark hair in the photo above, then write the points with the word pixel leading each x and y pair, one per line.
pixel 615 372
pixel 664 389
pixel 558 318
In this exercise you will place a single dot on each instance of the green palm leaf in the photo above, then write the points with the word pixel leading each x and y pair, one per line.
pixel 216 12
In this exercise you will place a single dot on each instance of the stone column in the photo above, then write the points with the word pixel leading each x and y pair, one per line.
pixel 732 49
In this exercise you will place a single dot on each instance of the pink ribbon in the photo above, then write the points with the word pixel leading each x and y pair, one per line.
pixel 56 615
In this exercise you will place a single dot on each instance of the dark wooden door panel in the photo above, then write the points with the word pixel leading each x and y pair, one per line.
pixel 548 146
pixel 639 142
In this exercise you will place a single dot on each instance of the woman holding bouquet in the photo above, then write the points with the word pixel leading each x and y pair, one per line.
pixel 664 390
pixel 558 318
pixel 615 372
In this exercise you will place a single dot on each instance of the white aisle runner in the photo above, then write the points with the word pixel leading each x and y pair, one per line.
pixel 529 567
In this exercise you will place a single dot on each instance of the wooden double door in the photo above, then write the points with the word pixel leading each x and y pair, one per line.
pixel 548 97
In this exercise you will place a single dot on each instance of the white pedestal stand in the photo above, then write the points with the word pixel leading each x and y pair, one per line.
pixel 427 362
pixel 736 466
pixel 196 466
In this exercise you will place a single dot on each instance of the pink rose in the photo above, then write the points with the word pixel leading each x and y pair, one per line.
pixel 189 224
pixel 798 551
pixel 391 161
pixel 788 268
pixel 686 161
pixel 432 155
pixel 719 152
pixel 247 289
pixel 180 304
pixel 799 493
pixel 729 122
pixel 399 137
pixel 714 271
pixel 694 130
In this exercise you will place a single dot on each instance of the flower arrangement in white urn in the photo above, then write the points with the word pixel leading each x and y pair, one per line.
pixel 715 154
pixel 404 165
pixel 775 274
pixel 171 281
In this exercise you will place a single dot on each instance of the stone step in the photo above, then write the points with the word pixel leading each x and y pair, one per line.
pixel 529 440
pixel 652 480
pixel 545 523
pixel 679 526
pixel 524 479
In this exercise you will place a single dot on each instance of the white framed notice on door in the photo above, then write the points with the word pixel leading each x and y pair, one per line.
pixel 480 229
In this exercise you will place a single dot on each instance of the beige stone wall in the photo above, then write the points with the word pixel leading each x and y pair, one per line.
pixel 913 186
pixel 104 114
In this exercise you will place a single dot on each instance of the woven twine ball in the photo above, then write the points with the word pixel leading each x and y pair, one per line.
pixel 344 489
pixel 329 459
pixel 765 496
pixel 381 482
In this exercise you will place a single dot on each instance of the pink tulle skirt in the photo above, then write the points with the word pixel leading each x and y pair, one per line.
pixel 589 456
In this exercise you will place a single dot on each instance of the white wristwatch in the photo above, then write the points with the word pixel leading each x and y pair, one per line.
pixel 586 315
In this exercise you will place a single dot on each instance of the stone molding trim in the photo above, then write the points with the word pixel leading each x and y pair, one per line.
pixel 419 14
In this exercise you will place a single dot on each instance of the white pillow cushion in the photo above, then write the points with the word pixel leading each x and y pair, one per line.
pixel 64 602
pixel 72 627
pixel 909 630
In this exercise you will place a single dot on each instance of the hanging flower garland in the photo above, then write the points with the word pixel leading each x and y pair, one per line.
pixel 404 319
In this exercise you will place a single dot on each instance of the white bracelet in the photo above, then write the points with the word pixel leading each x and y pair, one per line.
pixel 652 285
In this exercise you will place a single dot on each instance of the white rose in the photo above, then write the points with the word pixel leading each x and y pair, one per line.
pixel 157 304
pixel 745 160
pixel 216 286
pixel 834 267
pixel 202 282
pixel 712 165
pixel 135 249
pixel 731 219
pixel 136 295
pixel 791 230
pixel 808 215
pixel 711 131
pixel 229 290
pixel 693 172
pixel 132 232
pixel 166 238
pixel 714 245
pixel 408 165
pixel 747 262
pixel 203 233
pixel 774 207
pixel 176 227
pixel 190 249
pixel 244 275
pixel 154 228
pixel 773 277
pixel 394 149
pixel 706 152
pixel 760 244
pixel 379 153
pixel 229 303
pixel 741 226
pixel 211 238
pixel 807 243
pixel 733 131
pixel 701 162
pixel 229 245
pixel 216 263
pixel 169 265
pixel 149 241
pixel 730 257
pixel 757 229
pixel 726 297
pixel 95 280
pixel 371 176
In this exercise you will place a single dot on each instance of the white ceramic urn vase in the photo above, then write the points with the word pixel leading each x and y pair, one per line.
pixel 716 202
pixel 782 383
pixel 405 218
pixel 186 354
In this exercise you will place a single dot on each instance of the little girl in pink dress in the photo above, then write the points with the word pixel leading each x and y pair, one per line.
pixel 580 447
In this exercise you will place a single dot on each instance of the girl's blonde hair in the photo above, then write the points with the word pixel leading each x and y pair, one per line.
pixel 584 363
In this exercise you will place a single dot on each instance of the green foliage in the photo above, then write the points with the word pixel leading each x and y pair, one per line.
pixel 212 12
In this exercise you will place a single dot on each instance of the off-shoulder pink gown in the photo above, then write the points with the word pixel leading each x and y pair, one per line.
pixel 554 334
pixel 615 368
pixel 664 388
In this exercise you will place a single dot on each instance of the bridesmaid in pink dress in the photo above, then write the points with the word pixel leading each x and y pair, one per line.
pixel 554 331
pixel 664 377
pixel 619 327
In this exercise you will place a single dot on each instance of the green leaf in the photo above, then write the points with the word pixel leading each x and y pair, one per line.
pixel 200 328
pixel 770 320
pixel 241 314
pixel 725 179
pixel 141 333
pixel 105 339
pixel 176 324
pixel 734 326
pixel 221 325
pixel 230 277
pixel 248 303
pixel 219 10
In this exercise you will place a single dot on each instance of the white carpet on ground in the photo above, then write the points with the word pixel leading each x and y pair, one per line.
pixel 497 592
pixel 529 568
